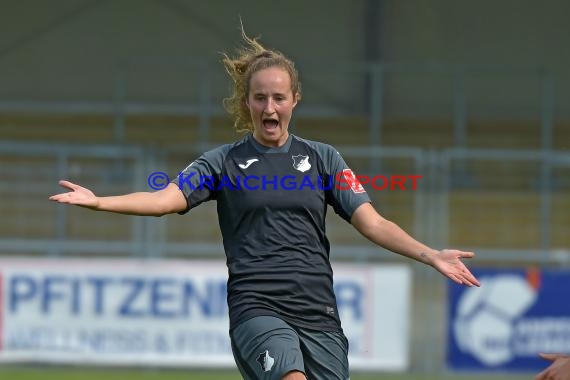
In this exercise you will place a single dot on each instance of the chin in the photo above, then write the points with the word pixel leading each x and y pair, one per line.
pixel 271 137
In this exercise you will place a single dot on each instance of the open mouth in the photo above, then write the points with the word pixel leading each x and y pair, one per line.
pixel 270 123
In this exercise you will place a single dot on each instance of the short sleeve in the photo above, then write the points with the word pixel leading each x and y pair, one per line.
pixel 345 194
pixel 199 180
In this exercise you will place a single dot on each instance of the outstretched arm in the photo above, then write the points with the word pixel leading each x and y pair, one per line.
pixel 390 236
pixel 166 201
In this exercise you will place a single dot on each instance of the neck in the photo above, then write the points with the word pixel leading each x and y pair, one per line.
pixel 272 144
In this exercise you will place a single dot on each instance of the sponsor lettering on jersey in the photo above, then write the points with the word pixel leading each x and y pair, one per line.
pixel 354 183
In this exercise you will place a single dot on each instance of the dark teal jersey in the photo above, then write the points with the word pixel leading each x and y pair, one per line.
pixel 272 204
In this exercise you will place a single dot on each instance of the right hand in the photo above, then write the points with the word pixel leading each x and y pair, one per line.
pixel 78 195
pixel 558 370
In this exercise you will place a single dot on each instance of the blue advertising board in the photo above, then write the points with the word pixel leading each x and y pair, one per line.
pixel 504 324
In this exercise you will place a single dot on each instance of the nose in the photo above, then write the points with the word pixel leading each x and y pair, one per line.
pixel 269 107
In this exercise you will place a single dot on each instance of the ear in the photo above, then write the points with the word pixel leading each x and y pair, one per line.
pixel 295 99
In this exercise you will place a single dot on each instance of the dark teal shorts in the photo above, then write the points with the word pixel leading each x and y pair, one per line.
pixel 267 348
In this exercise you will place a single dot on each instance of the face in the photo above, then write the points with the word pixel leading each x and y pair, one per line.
pixel 271 102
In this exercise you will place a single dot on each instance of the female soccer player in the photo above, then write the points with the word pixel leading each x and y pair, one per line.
pixel 284 321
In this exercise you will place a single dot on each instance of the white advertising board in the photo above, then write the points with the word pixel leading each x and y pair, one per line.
pixel 174 313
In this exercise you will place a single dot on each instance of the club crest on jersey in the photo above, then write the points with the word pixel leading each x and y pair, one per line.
pixel 265 361
pixel 301 163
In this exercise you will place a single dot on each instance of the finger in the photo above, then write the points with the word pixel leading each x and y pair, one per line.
pixel 467 255
pixel 550 357
pixel 470 282
pixel 68 185
pixel 62 197
pixel 455 279
pixel 542 376
pixel 467 275
pixel 68 197
pixel 56 197
pixel 472 279
pixel 466 280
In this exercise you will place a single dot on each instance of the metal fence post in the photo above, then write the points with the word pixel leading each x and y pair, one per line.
pixel 205 111
pixel 120 104
pixel 546 121
pixel 376 72
pixel 61 216
pixel 460 109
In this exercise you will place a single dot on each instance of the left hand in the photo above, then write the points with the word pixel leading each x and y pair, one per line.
pixel 448 262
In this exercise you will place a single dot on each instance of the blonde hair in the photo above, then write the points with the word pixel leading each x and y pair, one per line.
pixel 252 57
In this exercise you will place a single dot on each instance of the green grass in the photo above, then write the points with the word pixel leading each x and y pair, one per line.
pixel 57 373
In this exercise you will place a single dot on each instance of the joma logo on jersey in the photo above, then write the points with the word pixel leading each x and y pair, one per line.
pixel 248 163
pixel 301 163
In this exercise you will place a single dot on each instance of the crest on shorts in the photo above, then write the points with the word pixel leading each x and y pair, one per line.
pixel 301 163
pixel 265 361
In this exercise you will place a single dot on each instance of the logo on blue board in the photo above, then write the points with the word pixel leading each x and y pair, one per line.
pixel 485 325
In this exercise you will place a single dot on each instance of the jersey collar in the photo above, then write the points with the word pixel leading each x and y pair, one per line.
pixel 266 149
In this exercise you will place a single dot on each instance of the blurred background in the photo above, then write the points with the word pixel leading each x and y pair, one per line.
pixel 472 96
